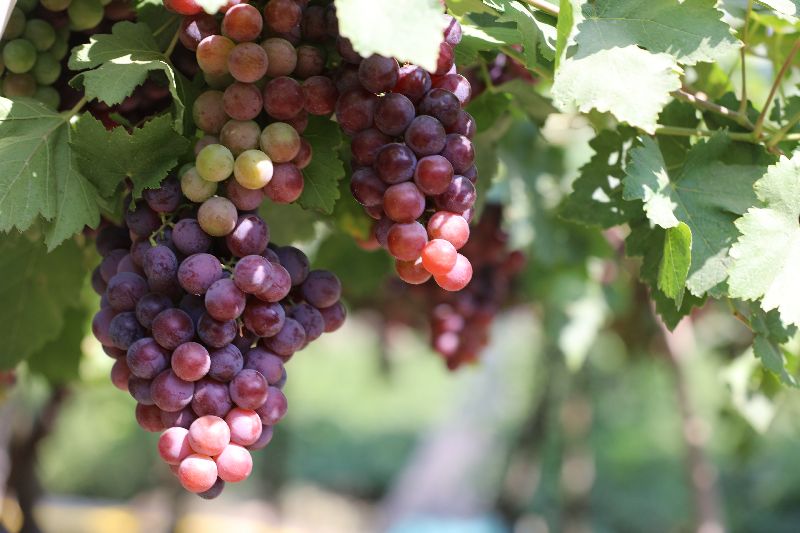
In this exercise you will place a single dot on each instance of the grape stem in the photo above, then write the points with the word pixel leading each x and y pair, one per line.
pixel 543 5
pixel 172 44
pixel 701 102
pixel 760 122
pixel 782 133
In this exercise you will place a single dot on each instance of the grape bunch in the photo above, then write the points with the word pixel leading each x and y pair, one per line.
pixel 201 312
pixel 34 45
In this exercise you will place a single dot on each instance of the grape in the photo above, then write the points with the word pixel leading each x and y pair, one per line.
pixel 334 316
pixel 313 23
pixel 248 389
pixel 268 364
pixel 46 70
pixel 120 374
pixel 124 330
pixel 321 288
pixel 275 407
pixel 197 473
pixel 304 155
pixel 425 136
pixel 19 56
pixel 459 196
pixel 161 268
pixel 456 84
pixel 263 319
pixel 450 227
pixel 247 62
pixel 310 62
pixel 140 390
pixel 288 340
pixel 215 333
pixel 224 301
pixel 217 216
pixel 190 361
pixel 242 101
pixel 381 230
pixel 189 238
pixel 346 50
pixel 433 174
pixel 452 35
pixel 446 59
pixel 295 262
pixel 173 445
pixel 195 188
pixel 253 169
pixel 18 85
pixel 280 286
pixel 198 272
pixel 98 283
pixel 283 98
pixel 149 306
pixel 311 320
pixel 111 238
pixel 251 273
pixel 242 23
pixel 47 95
pixel 182 418
pixel 412 82
pixel 183 7
pixel 459 151
pixel 214 163
pixel 280 141
pixel 172 327
pixel 263 440
pixel 218 81
pixel 458 277
pixel 395 163
pixel 439 257
pixel 412 272
pixel 240 135
pixel 355 110
pixel 85 14
pixel 249 237
pixel 245 426
pixel 142 220
pixel 171 393
pixel 346 78
pixel 166 198
pixel 320 95
pixel 282 57
pixel 39 33
pixel 471 174
pixel 365 145
pixel 378 74
pixel 442 105
pixel 195 28
pixel 146 359
pixel 15 26
pixel 286 185
pixel 209 113
pixel 211 397
pixel 403 202
pixel 299 122
pixel 212 54
pixel 215 490
pixel 110 264
pixel 209 435
pixel 394 113
pixel 149 418
pixel 406 241
pixel 124 290
pixel 282 15
pixel 464 125
pixel 234 464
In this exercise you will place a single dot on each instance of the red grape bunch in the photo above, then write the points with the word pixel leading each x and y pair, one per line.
pixel 201 312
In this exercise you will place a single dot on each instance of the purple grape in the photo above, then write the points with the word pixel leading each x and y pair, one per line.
pixel 395 163
pixel 124 330
pixel 310 318
pixel 198 272
pixel 224 300
pixel 334 316
pixel 161 268
pixel 262 318
pixel 394 113
pixel 166 198
pixel 355 110
pixel 112 238
pixel 321 289
pixel 125 290
pixel 146 359
pixel 249 237
pixel 288 340
pixel 211 398
pixel 189 237
pixel 248 389
pixel 171 393
pixel 442 105
pixel 378 74
pixel 172 327
pixel 226 362
pixel 459 151
pixel 367 187
pixel 140 390
pixel 459 196
pixel 251 273
pixel 180 419
pixel 274 408
pixel 425 136
pixel 295 262
pixel 268 364
pixel 280 286
pixel 216 333
pixel 142 220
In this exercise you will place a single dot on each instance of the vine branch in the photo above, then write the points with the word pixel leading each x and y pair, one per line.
pixel 701 102
pixel 760 122
pixel 743 101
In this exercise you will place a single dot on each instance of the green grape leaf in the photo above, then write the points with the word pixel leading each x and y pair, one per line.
pixel 121 61
pixel 675 262
pixel 145 156
pixel 322 175
pixel 706 194
pixel 487 108
pixel 784 7
pixel 530 102
pixel 460 8
pixel 566 21
pixel 36 288
pixel 409 31
pixel 483 33
pixel 162 23
pixel 766 258
pixel 772 357
pixel 59 360
pixel 38 177
pixel 536 29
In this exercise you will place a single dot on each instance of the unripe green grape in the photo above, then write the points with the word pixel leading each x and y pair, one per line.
pixel 217 216
pixel 16 85
pixel 55 5
pixel 27 5
pixel 40 33
pixel 85 14
pixel 16 24
pixel 253 169
pixel 280 142
pixel 19 55
pixel 196 188
pixel 46 70
pixel 59 49
pixel 214 163
pixel 48 96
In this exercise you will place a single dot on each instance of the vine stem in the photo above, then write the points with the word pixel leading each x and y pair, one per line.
pixel 172 43
pixel 743 102
pixel 701 102
pixel 76 108
pixel 760 122
pixel 543 5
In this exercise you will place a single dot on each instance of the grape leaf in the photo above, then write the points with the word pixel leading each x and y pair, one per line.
pixel 536 28
pixel 784 7
pixel 483 33
pixel 766 258
pixel 145 156
pixel 37 174
pixel 675 262
pixel 706 194
pixel 410 30
pixel 322 175
pixel 59 359
pixel 121 61
pixel 163 23
pixel 36 288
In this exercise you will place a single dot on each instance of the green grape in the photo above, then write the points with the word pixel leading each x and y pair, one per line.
pixel 59 49
pixel 46 70
pixel 217 216
pixel 40 33
pixel 48 96
pixel 85 14
pixel 16 24
pixel 15 85
pixel 27 5
pixel 253 169
pixel 196 188
pixel 214 163
pixel 19 55
pixel 55 5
